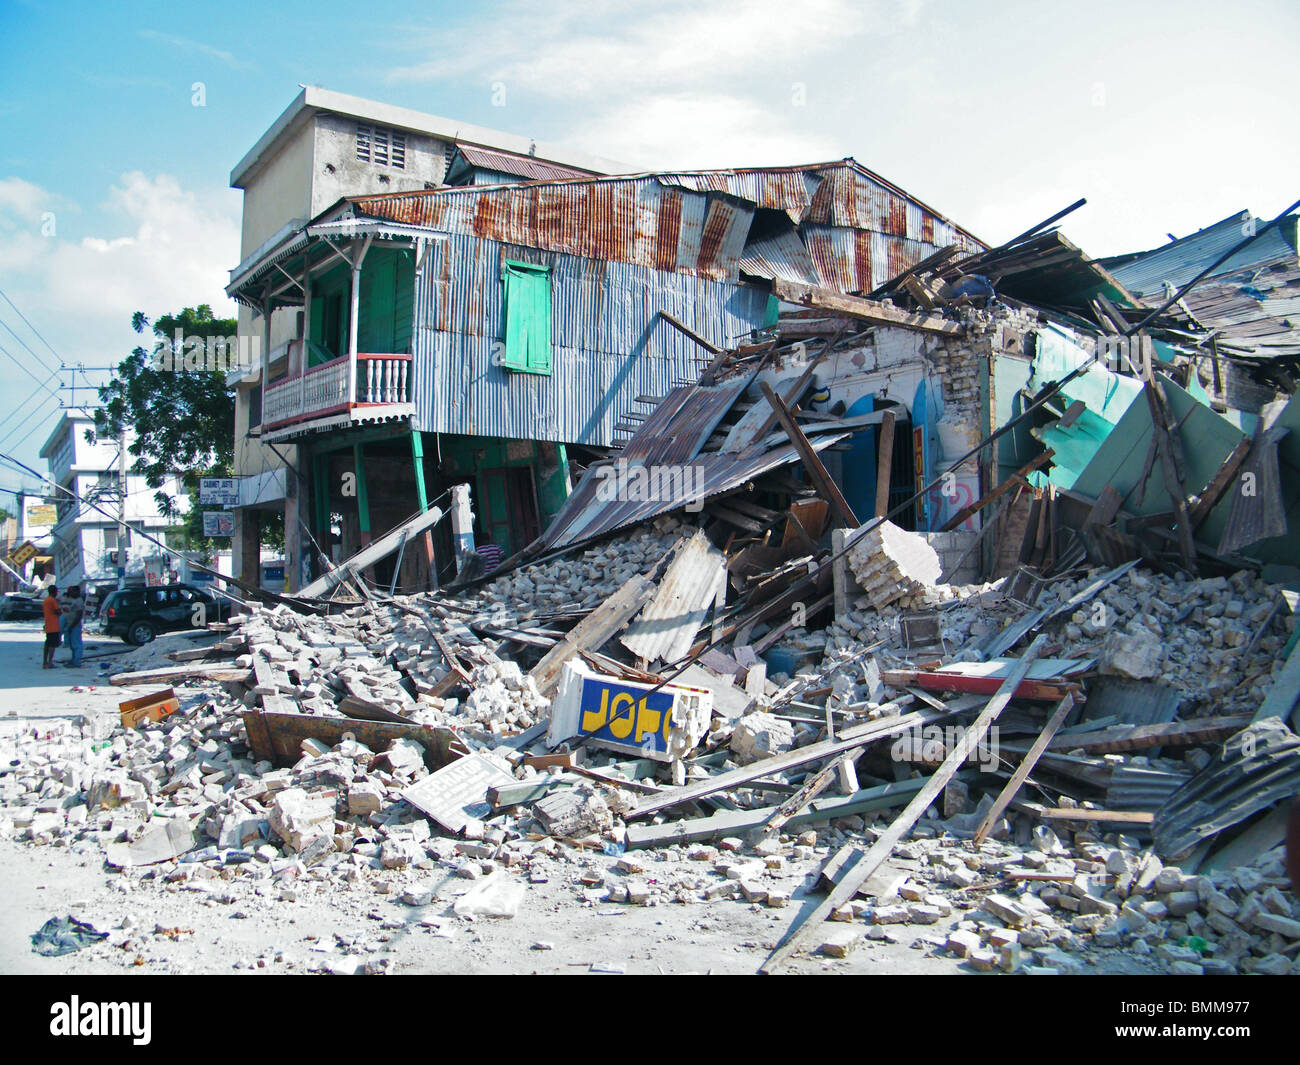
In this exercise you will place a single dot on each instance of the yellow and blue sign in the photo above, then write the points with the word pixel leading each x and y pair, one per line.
pixel 627 717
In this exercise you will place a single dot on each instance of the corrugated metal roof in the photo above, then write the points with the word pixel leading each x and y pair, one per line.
pixel 527 167
pixel 1145 273
pixel 783 256
pixel 668 624
pixel 617 220
pixel 670 439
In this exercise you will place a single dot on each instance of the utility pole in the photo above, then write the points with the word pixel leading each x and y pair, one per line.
pixel 123 530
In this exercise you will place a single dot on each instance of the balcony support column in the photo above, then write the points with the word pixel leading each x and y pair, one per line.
pixel 422 497
pixel 354 317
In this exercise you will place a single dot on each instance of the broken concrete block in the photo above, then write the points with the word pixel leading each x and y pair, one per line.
pixel 839 942
pixel 962 943
pixel 758 736
pixel 299 818
pixel 1137 655
pixel 1283 926
pixel 364 798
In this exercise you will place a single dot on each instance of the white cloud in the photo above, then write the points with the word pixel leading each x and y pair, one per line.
pixel 708 131
pixel 157 248
pixel 672 84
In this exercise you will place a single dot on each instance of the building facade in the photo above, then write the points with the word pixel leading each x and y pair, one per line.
pixel 86 543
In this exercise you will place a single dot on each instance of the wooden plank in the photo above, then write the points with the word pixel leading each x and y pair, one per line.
pixel 858 736
pixel 826 486
pixel 372 553
pixel 1105 508
pixel 1025 767
pixel 841 581
pixel 1137 737
pixel 957 682
pixel 1015 480
pixel 278 737
pixel 1169 451
pixel 862 309
pixel 171 674
pixel 792 396
pixel 885 463
pixel 738 822
pixel 1285 691
pixel 1072 813
pixel 847 888
pixel 801 798
pixel 1215 490
pixel 196 654
pixel 690 333
pixel 592 631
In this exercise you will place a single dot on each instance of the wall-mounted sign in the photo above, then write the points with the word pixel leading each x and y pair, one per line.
pixel 218 523
pixel 219 491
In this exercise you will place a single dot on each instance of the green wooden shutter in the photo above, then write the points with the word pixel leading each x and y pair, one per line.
pixel 375 324
pixel 528 317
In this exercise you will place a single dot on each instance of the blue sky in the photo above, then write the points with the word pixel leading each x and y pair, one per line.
pixel 113 185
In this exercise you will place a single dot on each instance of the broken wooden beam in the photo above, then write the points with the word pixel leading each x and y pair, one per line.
pixel 1016 479
pixel 885 463
pixel 1025 767
pixel 738 822
pixel 174 674
pixel 865 310
pixel 958 682
pixel 826 486
pixel 372 553
pixel 1138 737
pixel 857 875
pixel 593 631
pixel 858 736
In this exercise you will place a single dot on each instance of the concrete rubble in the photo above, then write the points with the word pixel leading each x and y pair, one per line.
pixel 1035 898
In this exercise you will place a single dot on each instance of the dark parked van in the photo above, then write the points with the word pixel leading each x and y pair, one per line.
pixel 137 615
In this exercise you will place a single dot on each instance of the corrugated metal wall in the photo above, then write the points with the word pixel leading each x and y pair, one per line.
pixel 609 347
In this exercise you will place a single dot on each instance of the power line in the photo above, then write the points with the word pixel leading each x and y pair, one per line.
pixel 31 327
pixel 35 428
pixel 20 406
pixel 44 384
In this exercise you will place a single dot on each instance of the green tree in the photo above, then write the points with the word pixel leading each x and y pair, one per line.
pixel 183 419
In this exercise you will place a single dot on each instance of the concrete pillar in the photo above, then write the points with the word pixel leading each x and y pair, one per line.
pixel 292 535
pixel 245 548
pixel 462 522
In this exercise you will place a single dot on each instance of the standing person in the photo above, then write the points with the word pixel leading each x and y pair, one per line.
pixel 74 612
pixel 51 610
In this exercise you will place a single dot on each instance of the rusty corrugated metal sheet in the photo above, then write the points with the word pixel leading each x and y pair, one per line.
pixel 609 345
pixel 783 256
pixel 633 220
pixel 521 166
pixel 668 624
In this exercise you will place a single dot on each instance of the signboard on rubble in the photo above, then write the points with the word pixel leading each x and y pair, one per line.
pixel 219 491
pixel 218 523
pixel 627 716
pixel 456 795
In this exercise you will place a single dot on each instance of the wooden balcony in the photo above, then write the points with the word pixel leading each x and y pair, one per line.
pixel 325 396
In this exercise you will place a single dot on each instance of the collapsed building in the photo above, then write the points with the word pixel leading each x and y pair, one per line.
pixel 953 581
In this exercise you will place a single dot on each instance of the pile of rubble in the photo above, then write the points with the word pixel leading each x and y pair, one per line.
pixel 416 688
